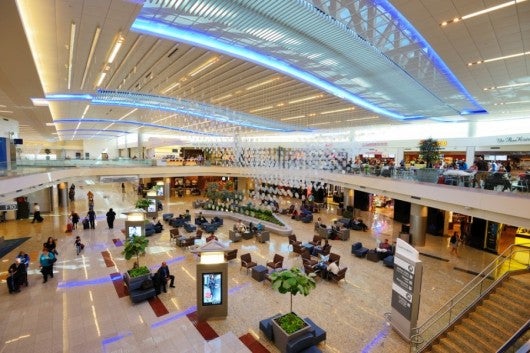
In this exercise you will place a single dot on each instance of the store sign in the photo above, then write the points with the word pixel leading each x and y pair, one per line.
pixel 513 139
pixel 406 288
pixel 8 207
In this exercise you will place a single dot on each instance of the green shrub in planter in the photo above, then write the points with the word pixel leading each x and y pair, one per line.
pixel 291 323
pixel 139 271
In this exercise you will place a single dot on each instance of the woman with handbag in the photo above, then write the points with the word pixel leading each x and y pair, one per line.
pixel 46 259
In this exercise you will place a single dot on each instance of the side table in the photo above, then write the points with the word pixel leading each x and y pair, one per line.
pixel 258 272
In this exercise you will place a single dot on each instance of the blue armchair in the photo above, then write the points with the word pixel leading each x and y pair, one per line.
pixel 189 227
pixel 149 229
pixel 359 250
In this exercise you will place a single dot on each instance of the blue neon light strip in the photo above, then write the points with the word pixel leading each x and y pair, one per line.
pixel 195 38
pixel 181 106
pixel 88 282
pixel 129 122
pixel 377 339
pixel 407 27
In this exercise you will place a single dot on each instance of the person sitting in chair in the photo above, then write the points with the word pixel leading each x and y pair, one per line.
pixel 164 276
pixel 201 219
pixel 240 227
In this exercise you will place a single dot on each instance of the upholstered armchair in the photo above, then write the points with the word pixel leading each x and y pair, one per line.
pixel 298 248
pixel 231 255
pixel 339 276
pixel 359 250
pixel 174 234
pixel 246 262
pixel 263 236
pixel 293 240
pixel 276 263
pixel 334 258
pixel 306 258
pixel 317 240
pixel 234 236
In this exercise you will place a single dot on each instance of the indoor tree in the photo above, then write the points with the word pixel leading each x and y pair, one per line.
pixel 429 151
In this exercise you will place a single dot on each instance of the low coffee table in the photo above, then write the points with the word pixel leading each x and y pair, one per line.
pixel 258 272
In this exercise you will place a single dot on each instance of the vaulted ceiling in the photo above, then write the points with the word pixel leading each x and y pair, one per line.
pixel 210 68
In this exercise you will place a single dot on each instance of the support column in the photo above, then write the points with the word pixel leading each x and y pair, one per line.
pixel 448 216
pixel 348 197
pixel 54 198
pixel 470 155
pixel 167 189
pixel 418 224
pixel 62 192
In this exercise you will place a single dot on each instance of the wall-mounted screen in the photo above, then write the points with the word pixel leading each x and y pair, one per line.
pixel 212 288
pixel 134 231
pixel 152 205
pixel 159 190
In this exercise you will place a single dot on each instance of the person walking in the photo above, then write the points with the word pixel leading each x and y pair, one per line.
pixel 111 216
pixel 74 217
pixel 36 213
pixel 46 259
pixel 92 218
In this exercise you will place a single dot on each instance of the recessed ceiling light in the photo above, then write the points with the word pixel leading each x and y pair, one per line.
pixel 506 86
pixel 499 58
pixel 306 99
pixel 481 12
pixel 293 117
pixel 337 111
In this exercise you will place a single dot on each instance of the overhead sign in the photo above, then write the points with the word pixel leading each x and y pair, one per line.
pixel 406 288
pixel 8 207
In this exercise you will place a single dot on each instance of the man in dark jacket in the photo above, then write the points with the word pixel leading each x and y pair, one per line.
pixel 164 275
pixel 111 216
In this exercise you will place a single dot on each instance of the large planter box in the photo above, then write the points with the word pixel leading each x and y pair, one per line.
pixel 282 338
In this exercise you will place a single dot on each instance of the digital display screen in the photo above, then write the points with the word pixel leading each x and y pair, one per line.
pixel 212 288
pixel 159 190
pixel 135 231
pixel 152 205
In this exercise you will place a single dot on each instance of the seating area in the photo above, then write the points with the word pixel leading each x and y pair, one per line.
pixel 246 262
pixel 306 342
pixel 358 249
pixel 139 288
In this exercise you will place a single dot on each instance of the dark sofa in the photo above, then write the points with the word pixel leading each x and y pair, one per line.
pixel 139 288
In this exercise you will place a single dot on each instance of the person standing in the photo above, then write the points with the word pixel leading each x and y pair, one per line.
pixel 164 275
pixel 36 213
pixel 46 259
pixel 111 216
pixel 17 275
pixel 51 245
pixel 75 219
pixel 123 188
pixel 92 218
pixel 454 244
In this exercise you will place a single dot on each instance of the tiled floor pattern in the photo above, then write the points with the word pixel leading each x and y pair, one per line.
pixel 83 310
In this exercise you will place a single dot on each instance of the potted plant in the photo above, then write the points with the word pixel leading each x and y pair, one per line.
pixel 430 153
pixel 290 326
pixel 142 203
pixel 135 246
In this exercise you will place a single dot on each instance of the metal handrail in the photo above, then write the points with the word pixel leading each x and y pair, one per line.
pixel 468 296
pixel 508 344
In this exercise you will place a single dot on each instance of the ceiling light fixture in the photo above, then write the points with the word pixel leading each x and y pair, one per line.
pixel 90 55
pixel 337 111
pixel 71 53
pixel 481 12
pixel 169 88
pixel 129 113
pixel 306 99
pixel 101 78
pixel 506 86
pixel 230 95
pixel 498 58
pixel 262 83
pixel 204 66
pixel 85 111
pixel 261 109
pixel 316 124
pixel 6 111
pixel 116 48
pixel 40 102
pixel 365 118
pixel 293 118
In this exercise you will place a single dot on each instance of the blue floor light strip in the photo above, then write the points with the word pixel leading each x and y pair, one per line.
pixel 380 335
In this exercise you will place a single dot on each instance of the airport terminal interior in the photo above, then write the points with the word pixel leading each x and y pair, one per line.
pixel 340 110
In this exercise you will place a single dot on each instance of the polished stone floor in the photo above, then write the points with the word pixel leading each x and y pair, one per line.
pixel 79 310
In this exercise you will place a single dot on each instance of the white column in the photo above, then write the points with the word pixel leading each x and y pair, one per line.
pixel 418 224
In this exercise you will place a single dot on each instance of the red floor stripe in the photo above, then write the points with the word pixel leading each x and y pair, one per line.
pixel 204 328
pixel 158 307
pixel 253 344
pixel 117 280
pixel 117 242
pixel 107 258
